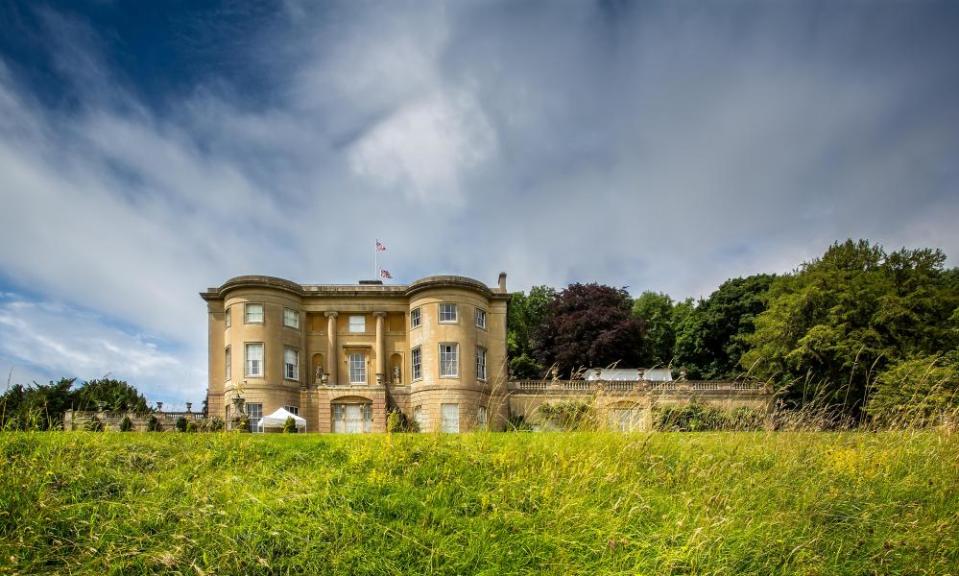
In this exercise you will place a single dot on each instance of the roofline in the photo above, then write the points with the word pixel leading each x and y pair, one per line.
pixel 390 290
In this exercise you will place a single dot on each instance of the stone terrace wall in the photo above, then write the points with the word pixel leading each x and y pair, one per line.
pixel 77 420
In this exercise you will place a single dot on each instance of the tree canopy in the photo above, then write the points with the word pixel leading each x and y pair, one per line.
pixel 41 406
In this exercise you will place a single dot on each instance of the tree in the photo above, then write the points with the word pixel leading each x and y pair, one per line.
pixel 919 391
pixel 590 325
pixel 526 314
pixel 35 407
pixel 656 312
pixel 840 320
pixel 113 394
pixel 710 337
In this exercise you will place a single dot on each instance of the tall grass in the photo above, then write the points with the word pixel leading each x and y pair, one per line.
pixel 566 503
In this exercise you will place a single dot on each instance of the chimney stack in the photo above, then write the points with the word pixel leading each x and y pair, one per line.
pixel 502 282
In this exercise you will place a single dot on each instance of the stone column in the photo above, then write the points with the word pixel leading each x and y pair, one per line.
pixel 380 348
pixel 332 362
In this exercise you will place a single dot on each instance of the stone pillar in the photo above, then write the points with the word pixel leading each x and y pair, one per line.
pixel 332 362
pixel 380 350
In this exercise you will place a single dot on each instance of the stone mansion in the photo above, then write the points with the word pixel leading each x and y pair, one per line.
pixel 342 356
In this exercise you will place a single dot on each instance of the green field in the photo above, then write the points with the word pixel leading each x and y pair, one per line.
pixel 565 503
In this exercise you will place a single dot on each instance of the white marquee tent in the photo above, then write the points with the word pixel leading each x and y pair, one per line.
pixel 278 420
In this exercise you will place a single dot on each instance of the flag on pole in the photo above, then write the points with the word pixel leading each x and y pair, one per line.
pixel 380 247
pixel 386 274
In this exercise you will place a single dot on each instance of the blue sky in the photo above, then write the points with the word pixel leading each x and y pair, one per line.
pixel 151 149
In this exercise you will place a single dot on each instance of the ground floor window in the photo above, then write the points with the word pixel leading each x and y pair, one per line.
pixel 481 417
pixel 451 417
pixel 352 418
pixel 422 421
pixel 625 419
pixel 254 411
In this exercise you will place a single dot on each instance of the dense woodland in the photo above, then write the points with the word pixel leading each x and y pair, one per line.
pixel 859 332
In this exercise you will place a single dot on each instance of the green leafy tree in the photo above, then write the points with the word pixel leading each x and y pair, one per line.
pixel 35 407
pixel 917 392
pixel 656 312
pixel 840 320
pixel 112 394
pixel 711 337
pixel 525 318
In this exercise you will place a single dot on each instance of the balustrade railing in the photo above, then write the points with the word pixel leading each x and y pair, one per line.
pixel 588 386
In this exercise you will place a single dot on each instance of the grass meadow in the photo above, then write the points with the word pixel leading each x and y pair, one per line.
pixel 512 503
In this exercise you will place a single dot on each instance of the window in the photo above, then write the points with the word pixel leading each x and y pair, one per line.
pixel 481 318
pixel 254 360
pixel 450 418
pixel 357 368
pixel 227 368
pixel 292 410
pixel 352 418
pixel 357 324
pixel 481 364
pixel 415 318
pixel 254 411
pixel 417 356
pixel 448 313
pixel 449 365
pixel 228 318
pixel 421 419
pixel 481 417
pixel 291 318
pixel 291 364
pixel 254 314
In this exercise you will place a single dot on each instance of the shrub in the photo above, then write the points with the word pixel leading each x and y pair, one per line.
pixel 192 426
pixel 94 424
pixel 518 424
pixel 571 415
pixel 153 424
pixel 921 391
pixel 241 423
pixel 126 425
pixel 289 426
pixel 215 424
pixel 396 421
pixel 181 424
pixel 699 417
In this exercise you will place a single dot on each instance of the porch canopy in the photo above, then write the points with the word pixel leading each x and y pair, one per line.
pixel 278 420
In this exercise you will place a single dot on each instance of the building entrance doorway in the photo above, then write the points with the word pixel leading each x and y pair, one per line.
pixel 352 418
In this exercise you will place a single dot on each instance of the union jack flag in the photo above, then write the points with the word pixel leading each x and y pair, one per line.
pixel 386 274
pixel 380 247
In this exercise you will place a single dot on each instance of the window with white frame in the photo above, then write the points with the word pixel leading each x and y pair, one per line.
pixel 227 318
pixel 449 361
pixel 416 318
pixel 482 417
pixel 421 419
pixel 481 318
pixel 416 355
pixel 357 368
pixel 228 363
pixel 254 359
pixel 450 421
pixel 253 314
pixel 291 318
pixel 294 410
pixel 480 363
pixel 291 364
pixel 448 312
pixel 357 324
pixel 254 410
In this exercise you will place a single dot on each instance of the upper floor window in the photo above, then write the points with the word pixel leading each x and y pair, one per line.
pixel 228 366
pixel 481 364
pixel 417 357
pixel 357 324
pixel 291 364
pixel 415 318
pixel 291 318
pixel 254 359
pixel 448 312
pixel 294 410
pixel 449 361
pixel 228 318
pixel 254 314
pixel 481 318
pixel 357 368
